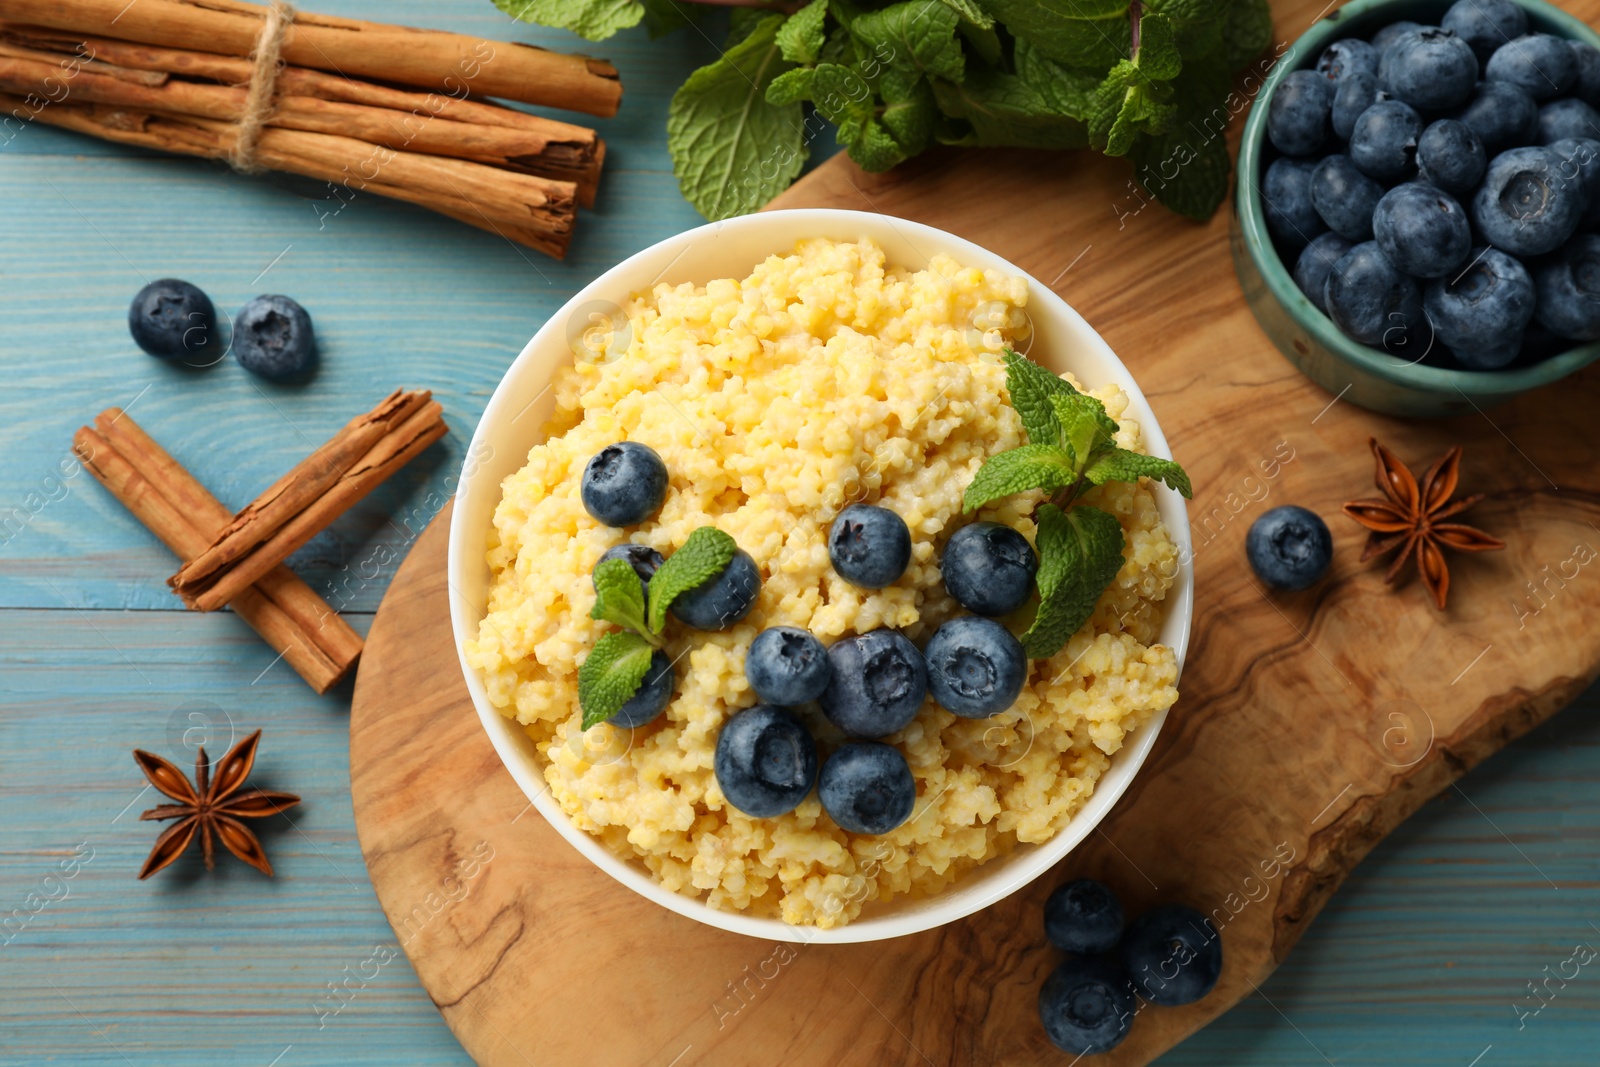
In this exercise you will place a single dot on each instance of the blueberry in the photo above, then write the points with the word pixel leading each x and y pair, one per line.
pixel 1344 197
pixel 1167 939
pixel 272 338
pixel 1431 69
pixel 1346 57
pixel 988 568
pixel 1451 156
pixel 1485 24
pixel 653 695
pixel 642 558
pixel 624 484
pixel 787 665
pixel 1543 65
pixel 1087 1005
pixel 1289 547
pixel 1578 159
pixel 866 787
pixel 1423 231
pixel 1316 263
pixel 1391 33
pixel 172 319
pixel 1568 286
pixel 1372 302
pixel 1486 306
pixel 1383 142
pixel 1297 118
pixel 1528 205
pixel 1502 115
pixel 870 546
pixel 877 684
pixel 1492 358
pixel 718 603
pixel 1354 94
pixel 1286 198
pixel 1561 120
pixel 1587 60
pixel 766 762
pixel 975 667
pixel 1083 917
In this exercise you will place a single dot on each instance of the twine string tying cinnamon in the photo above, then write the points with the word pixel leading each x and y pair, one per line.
pixel 267 60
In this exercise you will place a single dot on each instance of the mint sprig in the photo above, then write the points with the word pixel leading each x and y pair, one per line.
pixel 616 667
pixel 1080 552
pixel 612 674
pixel 1148 79
pixel 1072 444
pixel 705 554
pixel 619 598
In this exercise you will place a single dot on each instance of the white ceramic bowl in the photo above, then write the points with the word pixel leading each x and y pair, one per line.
pixel 522 403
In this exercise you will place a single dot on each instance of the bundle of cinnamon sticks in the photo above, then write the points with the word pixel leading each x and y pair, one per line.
pixel 237 560
pixel 174 75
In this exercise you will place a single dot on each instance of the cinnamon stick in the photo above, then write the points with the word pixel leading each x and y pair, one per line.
pixel 535 211
pixel 311 100
pixel 431 59
pixel 319 645
pixel 312 495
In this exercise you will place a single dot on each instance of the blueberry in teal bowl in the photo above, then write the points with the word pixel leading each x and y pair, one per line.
pixel 1471 155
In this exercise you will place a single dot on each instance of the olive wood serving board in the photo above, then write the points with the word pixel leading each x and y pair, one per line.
pixel 1310 724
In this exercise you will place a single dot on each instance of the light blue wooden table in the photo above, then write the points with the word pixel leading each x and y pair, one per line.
pixel 1424 958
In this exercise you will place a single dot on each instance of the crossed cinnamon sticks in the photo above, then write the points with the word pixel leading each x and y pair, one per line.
pixel 238 559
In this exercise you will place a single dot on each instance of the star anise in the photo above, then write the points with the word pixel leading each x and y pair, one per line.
pixel 1411 518
pixel 210 806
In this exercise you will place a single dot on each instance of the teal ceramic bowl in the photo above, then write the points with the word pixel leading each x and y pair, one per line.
pixel 1310 340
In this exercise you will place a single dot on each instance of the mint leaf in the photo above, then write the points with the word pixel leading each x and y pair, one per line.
pixel 1183 170
pixel 983 40
pixel 611 675
pixel 1133 99
pixel 875 149
pixel 1086 429
pixel 970 12
pixel 703 556
pixel 619 595
pixel 661 17
pixel 791 86
pixel 919 34
pixel 1246 32
pixel 594 20
pixel 1003 110
pixel 909 112
pixel 1157 56
pixel 1065 90
pixel 1031 387
pixel 1120 465
pixel 743 21
pixel 1016 470
pixel 731 150
pixel 1187 167
pixel 1080 553
pixel 1080 33
pixel 800 38
pixel 843 97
